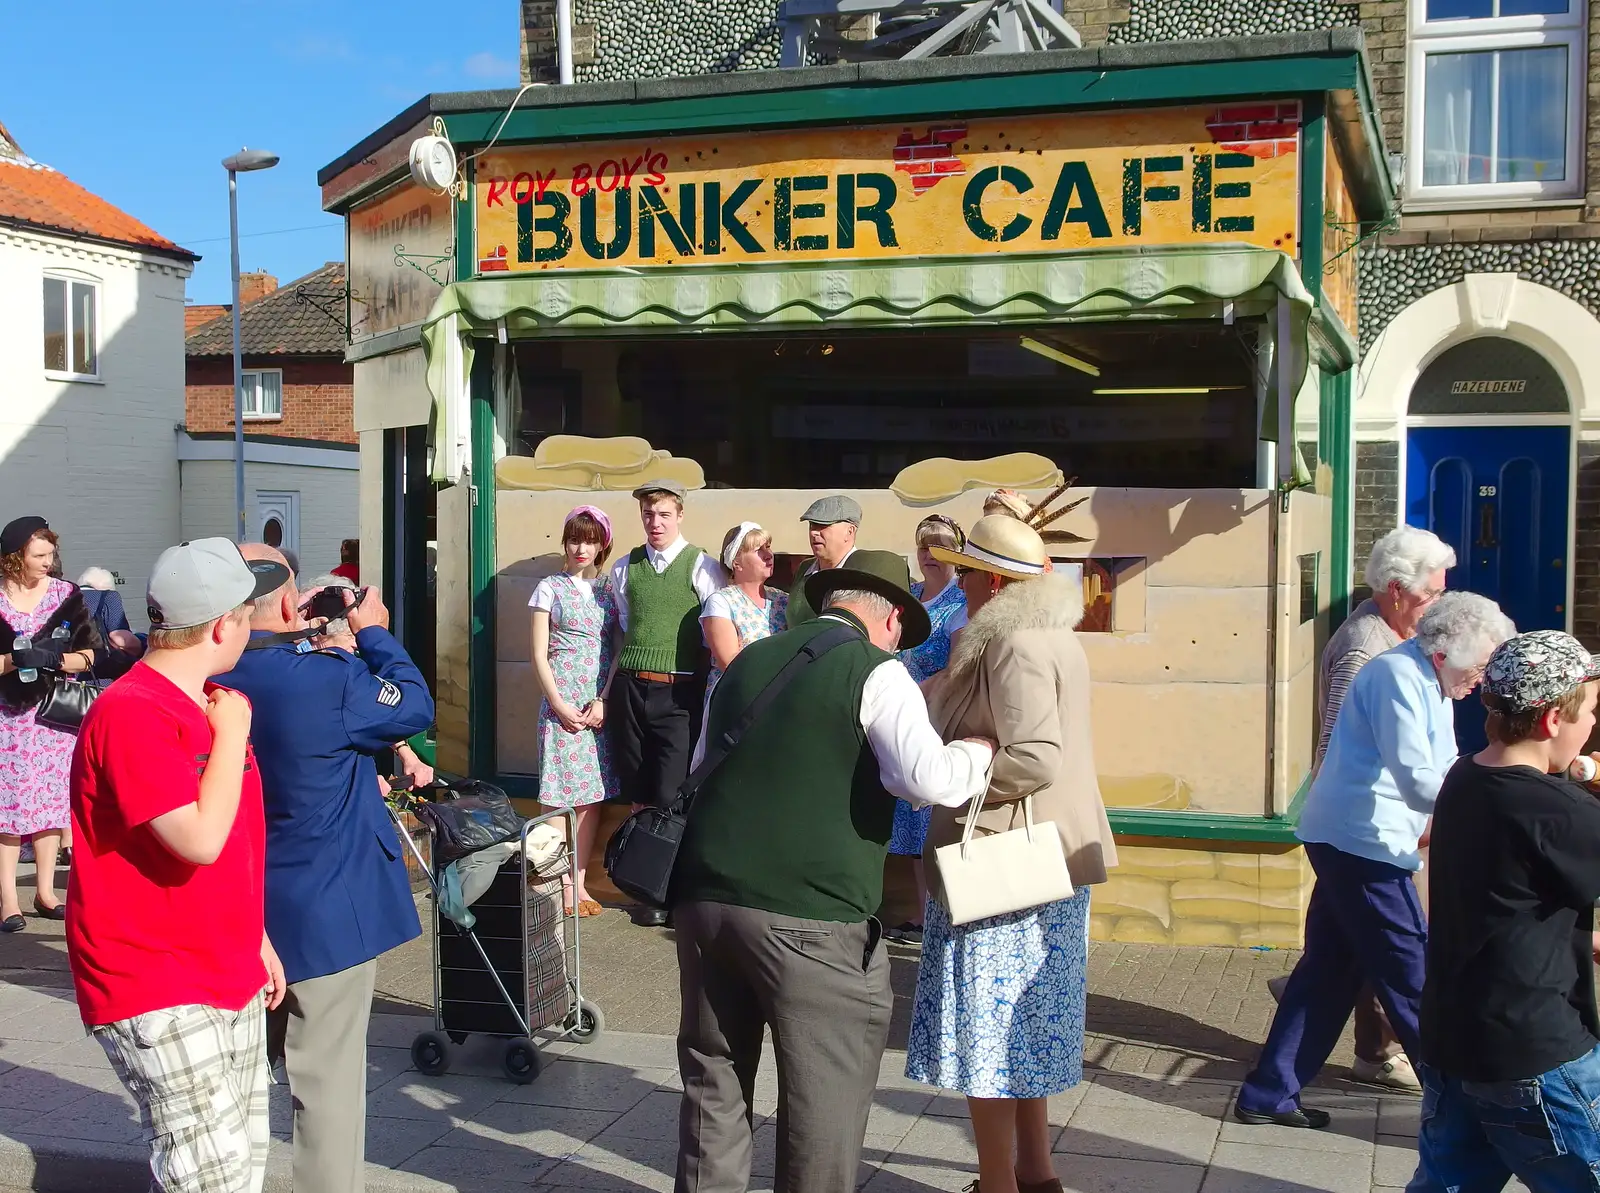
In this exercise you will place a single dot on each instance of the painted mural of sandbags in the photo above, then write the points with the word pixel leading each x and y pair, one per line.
pixel 940 479
pixel 1234 902
pixel 1165 865
pixel 1122 895
pixel 1154 792
pixel 581 463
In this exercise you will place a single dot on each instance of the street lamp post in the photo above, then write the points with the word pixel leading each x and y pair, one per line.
pixel 241 162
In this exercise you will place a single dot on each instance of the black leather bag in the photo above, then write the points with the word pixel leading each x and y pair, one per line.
pixel 466 816
pixel 643 852
pixel 66 703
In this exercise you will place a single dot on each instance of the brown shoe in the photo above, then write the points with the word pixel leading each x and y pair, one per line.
pixel 1053 1185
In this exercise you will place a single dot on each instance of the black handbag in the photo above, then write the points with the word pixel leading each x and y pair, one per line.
pixel 466 816
pixel 643 852
pixel 66 703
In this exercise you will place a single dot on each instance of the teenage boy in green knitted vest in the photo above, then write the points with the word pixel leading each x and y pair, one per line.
pixel 781 871
pixel 661 671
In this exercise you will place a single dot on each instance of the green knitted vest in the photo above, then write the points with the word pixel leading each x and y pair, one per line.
pixel 796 820
pixel 663 615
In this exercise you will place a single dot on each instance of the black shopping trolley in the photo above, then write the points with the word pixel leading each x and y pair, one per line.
pixel 518 969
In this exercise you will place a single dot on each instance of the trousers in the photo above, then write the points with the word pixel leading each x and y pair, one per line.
pixel 1364 924
pixel 822 989
pixel 653 727
pixel 1475 1136
pixel 320 1030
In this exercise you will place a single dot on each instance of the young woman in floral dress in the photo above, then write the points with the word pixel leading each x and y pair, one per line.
pixel 573 622
pixel 743 612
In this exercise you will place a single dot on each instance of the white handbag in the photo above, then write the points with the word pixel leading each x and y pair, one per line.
pixel 1002 872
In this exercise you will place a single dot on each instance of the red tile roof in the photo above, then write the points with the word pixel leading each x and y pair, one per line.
pixel 39 196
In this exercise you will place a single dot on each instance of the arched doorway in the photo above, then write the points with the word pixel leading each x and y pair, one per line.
pixel 1487 468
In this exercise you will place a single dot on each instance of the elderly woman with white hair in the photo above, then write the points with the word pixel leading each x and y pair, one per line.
pixel 1406 573
pixel 1363 819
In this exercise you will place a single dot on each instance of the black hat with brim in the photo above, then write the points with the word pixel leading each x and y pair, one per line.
pixel 880 572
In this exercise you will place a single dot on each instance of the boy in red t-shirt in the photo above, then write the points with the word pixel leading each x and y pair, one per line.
pixel 171 964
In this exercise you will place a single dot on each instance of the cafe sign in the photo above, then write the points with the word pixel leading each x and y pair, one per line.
pixel 1027 184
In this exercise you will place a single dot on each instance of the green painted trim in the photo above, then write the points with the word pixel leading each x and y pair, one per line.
pixel 1298 802
pixel 1202 826
pixel 1340 455
pixel 481 655
pixel 1051 91
pixel 1313 153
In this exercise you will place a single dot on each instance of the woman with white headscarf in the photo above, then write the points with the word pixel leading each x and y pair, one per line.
pixel 746 611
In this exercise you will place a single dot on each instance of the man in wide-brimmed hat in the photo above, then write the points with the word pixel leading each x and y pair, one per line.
pixel 780 873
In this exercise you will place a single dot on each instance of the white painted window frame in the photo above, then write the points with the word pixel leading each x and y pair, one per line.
pixel 1494 33
pixel 256 416
pixel 73 278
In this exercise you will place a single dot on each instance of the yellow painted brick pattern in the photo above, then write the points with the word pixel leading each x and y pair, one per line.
pixel 1189 895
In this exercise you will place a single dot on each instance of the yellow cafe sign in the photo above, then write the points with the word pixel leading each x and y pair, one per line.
pixel 1026 184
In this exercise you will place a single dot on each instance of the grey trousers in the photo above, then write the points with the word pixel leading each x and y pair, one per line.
pixel 320 1030
pixel 822 989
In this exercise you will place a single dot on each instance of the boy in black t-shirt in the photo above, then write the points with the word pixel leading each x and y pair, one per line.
pixel 1510 1035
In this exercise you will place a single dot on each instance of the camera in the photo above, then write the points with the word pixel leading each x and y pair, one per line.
pixel 331 604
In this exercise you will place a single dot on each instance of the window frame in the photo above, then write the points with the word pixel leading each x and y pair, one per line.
pixel 1466 35
pixel 70 278
pixel 258 417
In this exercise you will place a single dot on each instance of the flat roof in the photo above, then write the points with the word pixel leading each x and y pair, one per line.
pixel 545 112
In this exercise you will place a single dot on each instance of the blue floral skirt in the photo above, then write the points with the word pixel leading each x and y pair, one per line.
pixel 910 829
pixel 1000 1002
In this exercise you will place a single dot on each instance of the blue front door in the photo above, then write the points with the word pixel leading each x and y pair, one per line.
pixel 1498 495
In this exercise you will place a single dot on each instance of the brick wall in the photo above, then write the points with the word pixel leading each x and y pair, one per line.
pixel 1377 500
pixel 318 397
pixel 1586 564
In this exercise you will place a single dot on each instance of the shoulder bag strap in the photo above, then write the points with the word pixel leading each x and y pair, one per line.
pixel 718 750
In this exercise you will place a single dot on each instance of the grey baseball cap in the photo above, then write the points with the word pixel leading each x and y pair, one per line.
pixel 825 511
pixel 672 488
pixel 200 581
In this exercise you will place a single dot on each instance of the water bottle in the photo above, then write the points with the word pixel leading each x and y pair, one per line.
pixel 25 674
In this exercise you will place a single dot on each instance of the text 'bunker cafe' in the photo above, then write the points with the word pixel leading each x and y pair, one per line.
pixel 911 282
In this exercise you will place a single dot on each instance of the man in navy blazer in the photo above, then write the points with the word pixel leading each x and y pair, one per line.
pixel 337 891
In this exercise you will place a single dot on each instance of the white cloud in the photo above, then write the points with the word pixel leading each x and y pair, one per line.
pixel 491 67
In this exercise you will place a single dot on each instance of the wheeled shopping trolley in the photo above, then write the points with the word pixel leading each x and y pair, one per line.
pixel 518 971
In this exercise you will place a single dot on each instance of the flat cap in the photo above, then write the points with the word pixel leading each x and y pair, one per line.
pixel 825 511
pixel 661 486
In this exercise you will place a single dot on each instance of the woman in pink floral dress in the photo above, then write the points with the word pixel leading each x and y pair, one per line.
pixel 35 760
pixel 573 621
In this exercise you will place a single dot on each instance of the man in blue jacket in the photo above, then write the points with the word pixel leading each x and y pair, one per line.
pixel 337 892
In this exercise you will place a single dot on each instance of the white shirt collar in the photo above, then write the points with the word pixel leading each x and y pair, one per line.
pixel 666 556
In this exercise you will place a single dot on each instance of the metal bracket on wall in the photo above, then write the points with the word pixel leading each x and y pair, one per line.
pixel 329 302
pixel 432 262
pixel 1357 239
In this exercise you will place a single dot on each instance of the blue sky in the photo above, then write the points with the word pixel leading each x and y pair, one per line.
pixel 139 102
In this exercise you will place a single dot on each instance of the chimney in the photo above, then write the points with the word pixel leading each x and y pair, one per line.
pixel 255 285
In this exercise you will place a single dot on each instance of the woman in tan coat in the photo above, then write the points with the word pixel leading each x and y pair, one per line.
pixel 999 1011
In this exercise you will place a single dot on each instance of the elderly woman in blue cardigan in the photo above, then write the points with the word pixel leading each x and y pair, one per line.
pixel 1367 809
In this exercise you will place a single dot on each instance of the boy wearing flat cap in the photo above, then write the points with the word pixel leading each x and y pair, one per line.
pixel 661 669
pixel 832 523
pixel 1510 1035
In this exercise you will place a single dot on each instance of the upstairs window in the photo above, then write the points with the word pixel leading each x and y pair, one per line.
pixel 263 393
pixel 1496 100
pixel 71 327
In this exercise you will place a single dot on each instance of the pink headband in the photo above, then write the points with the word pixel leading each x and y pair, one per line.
pixel 597 514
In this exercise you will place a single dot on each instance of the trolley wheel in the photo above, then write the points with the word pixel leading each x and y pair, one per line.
pixel 521 1062
pixel 430 1053
pixel 458 1037
pixel 588 1023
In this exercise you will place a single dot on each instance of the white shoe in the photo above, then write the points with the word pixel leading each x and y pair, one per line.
pixel 1394 1073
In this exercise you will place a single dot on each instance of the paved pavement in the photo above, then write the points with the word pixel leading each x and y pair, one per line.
pixel 1171 1033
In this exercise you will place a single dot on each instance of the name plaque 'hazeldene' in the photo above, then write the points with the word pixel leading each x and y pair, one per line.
pixel 1028 184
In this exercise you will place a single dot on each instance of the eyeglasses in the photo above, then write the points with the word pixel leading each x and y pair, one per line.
pixel 1429 595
